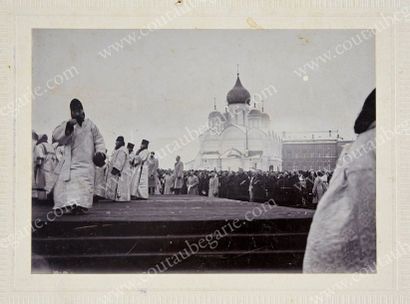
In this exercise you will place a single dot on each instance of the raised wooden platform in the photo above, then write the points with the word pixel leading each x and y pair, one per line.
pixel 134 236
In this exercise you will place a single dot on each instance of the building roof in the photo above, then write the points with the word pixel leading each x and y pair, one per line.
pixel 265 116
pixel 254 112
pixel 238 94
pixel 255 153
pixel 215 114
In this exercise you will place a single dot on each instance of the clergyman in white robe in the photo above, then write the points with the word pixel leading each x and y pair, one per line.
pixel 168 183
pixel 139 183
pixel 117 187
pixel 46 163
pixel 34 139
pixel 178 175
pixel 76 171
pixel 100 181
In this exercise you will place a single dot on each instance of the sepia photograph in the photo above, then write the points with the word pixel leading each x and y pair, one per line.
pixel 203 151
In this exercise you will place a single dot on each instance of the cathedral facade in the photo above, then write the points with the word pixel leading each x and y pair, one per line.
pixel 239 137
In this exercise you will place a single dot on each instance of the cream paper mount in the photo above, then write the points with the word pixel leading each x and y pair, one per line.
pixel 389 285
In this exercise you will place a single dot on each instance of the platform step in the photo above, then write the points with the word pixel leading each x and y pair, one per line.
pixel 168 243
pixel 134 236
pixel 130 228
pixel 207 261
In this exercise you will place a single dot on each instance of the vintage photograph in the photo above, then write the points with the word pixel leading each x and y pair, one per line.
pixel 200 151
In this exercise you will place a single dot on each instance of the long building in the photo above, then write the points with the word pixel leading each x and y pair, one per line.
pixel 311 150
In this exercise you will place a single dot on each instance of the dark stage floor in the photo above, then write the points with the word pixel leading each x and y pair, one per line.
pixel 124 237
pixel 175 208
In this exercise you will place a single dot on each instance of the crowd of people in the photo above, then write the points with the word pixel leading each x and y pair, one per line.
pixel 130 174
pixel 294 188
pixel 74 165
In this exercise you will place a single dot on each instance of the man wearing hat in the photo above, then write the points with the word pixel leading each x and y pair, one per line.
pixel 117 188
pixel 178 175
pixel 139 182
pixel 153 165
pixel 130 148
pixel 84 148
pixel 129 171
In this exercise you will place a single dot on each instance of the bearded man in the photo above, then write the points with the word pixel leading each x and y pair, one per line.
pixel 84 148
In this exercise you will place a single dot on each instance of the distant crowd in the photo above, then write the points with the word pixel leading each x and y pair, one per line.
pixel 295 188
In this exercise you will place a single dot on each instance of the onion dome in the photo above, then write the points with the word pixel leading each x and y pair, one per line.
pixel 238 94
pixel 265 116
pixel 214 114
pixel 255 112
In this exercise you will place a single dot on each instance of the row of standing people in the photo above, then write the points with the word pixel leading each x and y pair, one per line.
pixel 74 167
pixel 124 176
pixel 304 188
pixel 135 175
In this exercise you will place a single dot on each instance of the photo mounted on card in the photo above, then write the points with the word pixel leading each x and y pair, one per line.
pixel 203 150
pixel 222 151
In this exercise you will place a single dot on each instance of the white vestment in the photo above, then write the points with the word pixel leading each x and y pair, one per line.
pixel 129 169
pixel 168 183
pixel 118 187
pixel 100 181
pixel 342 236
pixel 139 183
pixel 178 175
pixel 33 171
pixel 45 177
pixel 213 186
pixel 76 171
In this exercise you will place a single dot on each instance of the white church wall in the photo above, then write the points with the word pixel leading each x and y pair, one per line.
pixel 232 138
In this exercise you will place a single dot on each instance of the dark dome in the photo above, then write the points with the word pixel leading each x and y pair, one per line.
pixel 254 112
pixel 215 114
pixel 238 94
pixel 265 116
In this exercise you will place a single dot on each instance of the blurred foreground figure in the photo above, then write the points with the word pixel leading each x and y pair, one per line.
pixel 84 149
pixel 342 236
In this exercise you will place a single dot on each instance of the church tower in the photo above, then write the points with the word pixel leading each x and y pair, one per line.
pixel 216 121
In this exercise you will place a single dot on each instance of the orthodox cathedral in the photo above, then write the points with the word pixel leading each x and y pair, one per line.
pixel 238 138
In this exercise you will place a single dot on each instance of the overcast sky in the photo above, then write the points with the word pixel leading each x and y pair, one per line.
pixel 165 83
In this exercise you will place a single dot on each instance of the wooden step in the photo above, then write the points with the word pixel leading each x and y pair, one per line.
pixel 168 243
pixel 134 236
pixel 207 261
pixel 131 228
